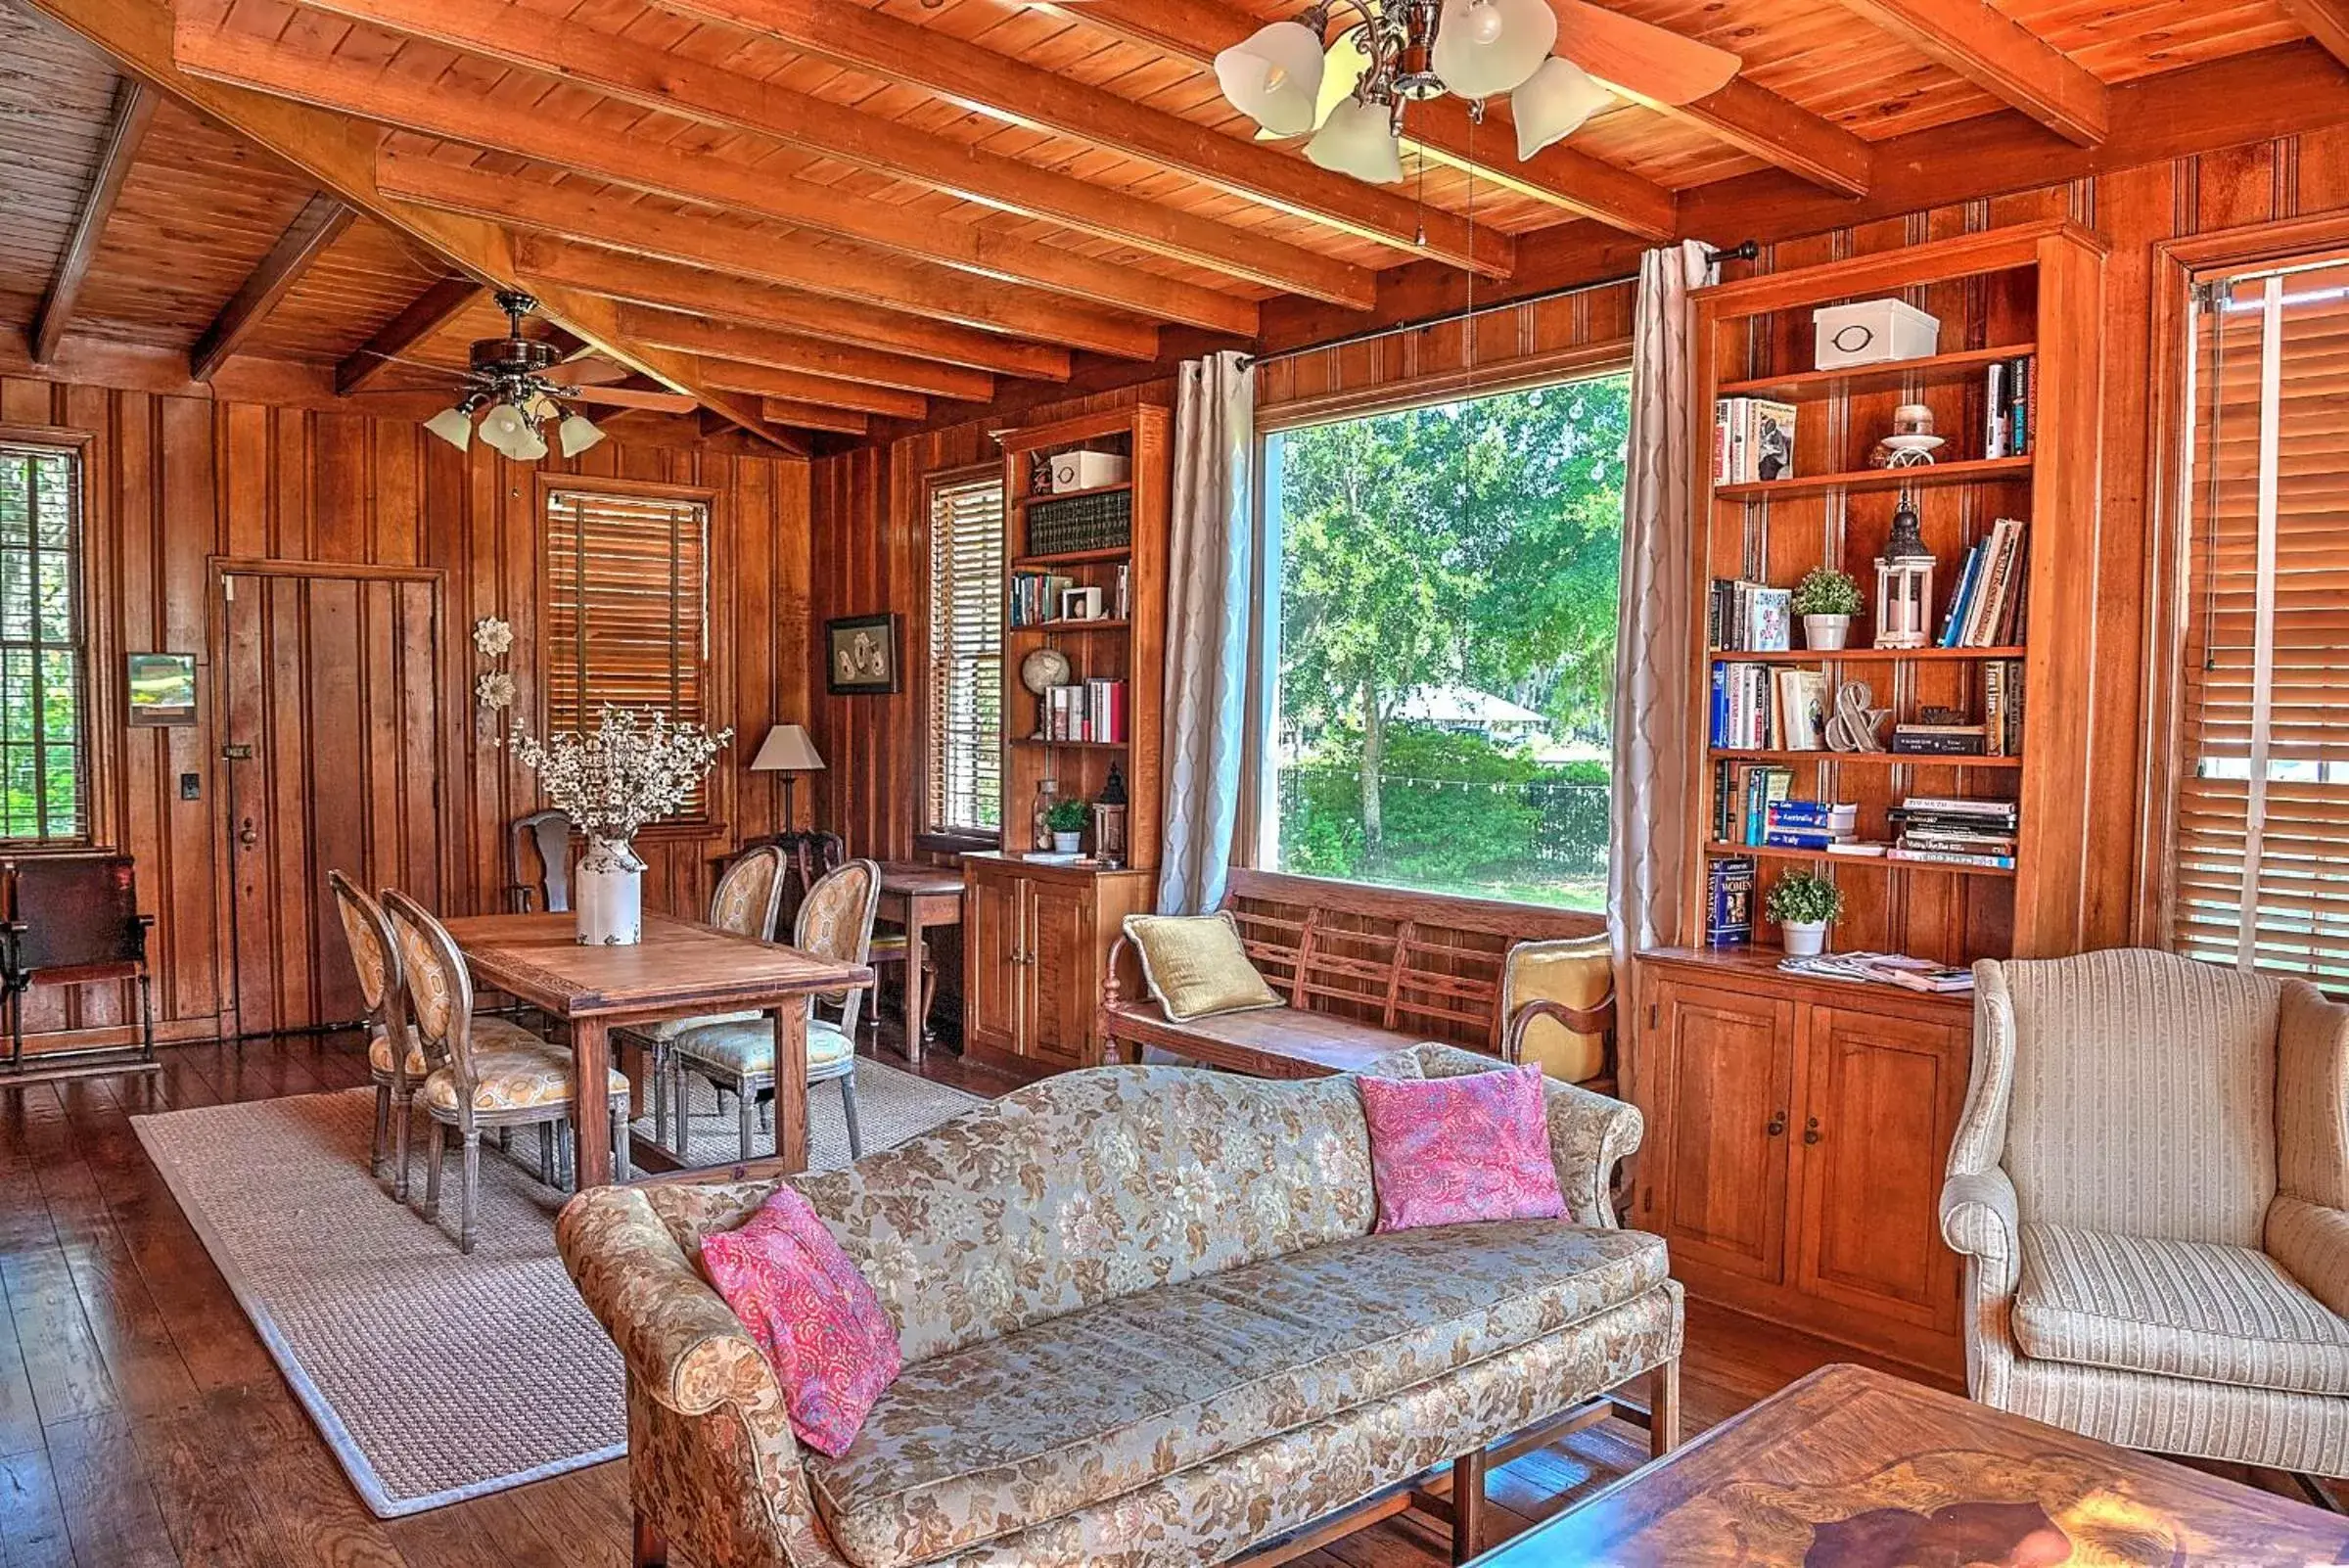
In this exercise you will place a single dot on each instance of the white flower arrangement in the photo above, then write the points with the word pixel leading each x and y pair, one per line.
pixel 635 769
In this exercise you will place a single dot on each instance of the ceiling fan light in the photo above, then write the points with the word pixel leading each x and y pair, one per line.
pixel 1275 78
pixel 504 429
pixel 1487 47
pixel 1358 139
pixel 576 433
pixel 528 446
pixel 1552 105
pixel 453 426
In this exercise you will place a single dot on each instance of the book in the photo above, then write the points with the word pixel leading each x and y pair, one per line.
pixel 1772 620
pixel 1994 863
pixel 1884 969
pixel 1729 901
pixel 1753 438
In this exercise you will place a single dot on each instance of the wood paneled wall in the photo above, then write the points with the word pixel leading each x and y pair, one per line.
pixel 174 481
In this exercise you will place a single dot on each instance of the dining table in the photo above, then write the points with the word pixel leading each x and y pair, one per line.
pixel 918 898
pixel 681 969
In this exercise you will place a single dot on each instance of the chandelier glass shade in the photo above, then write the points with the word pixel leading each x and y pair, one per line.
pixel 506 385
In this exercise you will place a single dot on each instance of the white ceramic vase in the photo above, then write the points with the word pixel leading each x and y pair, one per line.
pixel 608 895
pixel 1805 938
pixel 1825 633
pixel 1068 842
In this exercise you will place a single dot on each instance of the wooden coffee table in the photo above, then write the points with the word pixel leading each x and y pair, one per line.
pixel 1851 1469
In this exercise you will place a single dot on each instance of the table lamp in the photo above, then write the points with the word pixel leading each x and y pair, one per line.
pixel 787 751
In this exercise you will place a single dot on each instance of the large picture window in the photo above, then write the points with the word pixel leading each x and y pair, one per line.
pixel 965 697
pixel 1445 644
pixel 44 762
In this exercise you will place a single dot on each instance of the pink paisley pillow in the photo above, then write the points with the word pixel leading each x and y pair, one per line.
pixel 811 1316
pixel 1445 1151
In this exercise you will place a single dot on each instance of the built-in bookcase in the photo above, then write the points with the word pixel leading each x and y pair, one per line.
pixel 2030 294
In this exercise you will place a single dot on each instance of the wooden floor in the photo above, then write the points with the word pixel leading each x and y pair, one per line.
pixel 142 1423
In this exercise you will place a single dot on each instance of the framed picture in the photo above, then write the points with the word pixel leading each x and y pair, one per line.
pixel 163 689
pixel 861 655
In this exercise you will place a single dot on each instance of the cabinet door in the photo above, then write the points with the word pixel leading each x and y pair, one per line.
pixel 1063 992
pixel 1881 1097
pixel 1720 1089
pixel 992 935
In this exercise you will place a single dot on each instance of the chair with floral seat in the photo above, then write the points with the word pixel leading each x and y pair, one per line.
pixel 836 921
pixel 475 1083
pixel 744 902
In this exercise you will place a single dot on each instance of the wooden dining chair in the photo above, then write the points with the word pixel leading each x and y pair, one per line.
pixel 836 922
pixel 543 838
pixel 475 1084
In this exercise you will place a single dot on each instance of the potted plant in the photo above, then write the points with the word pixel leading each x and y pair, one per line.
pixel 1826 599
pixel 1803 902
pixel 1067 819
pixel 635 769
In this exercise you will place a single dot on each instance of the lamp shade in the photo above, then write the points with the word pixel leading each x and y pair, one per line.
pixel 528 446
pixel 1487 47
pixel 576 433
pixel 1358 139
pixel 786 749
pixel 453 426
pixel 504 429
pixel 1275 78
pixel 1553 103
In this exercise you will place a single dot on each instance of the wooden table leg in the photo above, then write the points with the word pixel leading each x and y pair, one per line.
pixel 790 1085
pixel 591 1107
pixel 917 1023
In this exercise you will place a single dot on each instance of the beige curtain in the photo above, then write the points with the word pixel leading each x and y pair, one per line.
pixel 1648 849
pixel 1209 580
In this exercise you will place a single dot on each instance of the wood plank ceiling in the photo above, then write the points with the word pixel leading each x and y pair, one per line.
pixel 820 215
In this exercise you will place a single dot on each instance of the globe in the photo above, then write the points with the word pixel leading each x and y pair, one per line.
pixel 1044 669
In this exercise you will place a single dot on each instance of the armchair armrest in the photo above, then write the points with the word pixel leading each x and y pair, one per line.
pixel 1981 1219
pixel 2312 1243
pixel 1598 1020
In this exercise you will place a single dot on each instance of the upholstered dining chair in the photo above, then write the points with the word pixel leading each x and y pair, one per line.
pixel 836 921
pixel 2149 1186
pixel 398 1072
pixel 743 903
pixel 476 1084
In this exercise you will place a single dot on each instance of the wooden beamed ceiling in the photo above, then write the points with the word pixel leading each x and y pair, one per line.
pixel 824 220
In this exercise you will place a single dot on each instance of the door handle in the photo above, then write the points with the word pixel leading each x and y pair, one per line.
pixel 1810 1130
pixel 1777 1125
pixel 249 835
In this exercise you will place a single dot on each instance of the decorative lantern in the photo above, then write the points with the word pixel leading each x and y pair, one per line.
pixel 1905 584
pixel 1109 821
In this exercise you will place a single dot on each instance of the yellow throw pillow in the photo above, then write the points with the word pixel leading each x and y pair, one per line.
pixel 1196 967
pixel 1579 972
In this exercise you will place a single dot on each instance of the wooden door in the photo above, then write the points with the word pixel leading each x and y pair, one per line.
pixel 1721 1095
pixel 1062 993
pixel 328 689
pixel 1880 1101
pixel 991 936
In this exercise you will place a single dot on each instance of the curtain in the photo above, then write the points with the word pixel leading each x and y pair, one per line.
pixel 1647 842
pixel 1209 581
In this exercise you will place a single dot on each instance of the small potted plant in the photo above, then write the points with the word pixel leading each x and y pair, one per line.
pixel 1803 903
pixel 1067 821
pixel 1826 599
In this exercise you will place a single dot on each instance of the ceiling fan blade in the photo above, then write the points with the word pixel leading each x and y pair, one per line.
pixel 634 397
pixel 1638 59
pixel 586 370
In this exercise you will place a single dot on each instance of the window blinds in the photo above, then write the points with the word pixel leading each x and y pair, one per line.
pixel 2262 851
pixel 966 654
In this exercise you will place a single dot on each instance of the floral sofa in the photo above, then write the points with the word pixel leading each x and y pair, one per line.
pixel 1145 1320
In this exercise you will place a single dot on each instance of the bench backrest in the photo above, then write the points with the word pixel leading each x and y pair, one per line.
pixel 1421 963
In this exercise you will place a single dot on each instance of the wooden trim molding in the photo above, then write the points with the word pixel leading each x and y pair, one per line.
pixel 1550 367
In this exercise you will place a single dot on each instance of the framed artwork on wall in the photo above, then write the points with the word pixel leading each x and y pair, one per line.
pixel 861 655
pixel 163 689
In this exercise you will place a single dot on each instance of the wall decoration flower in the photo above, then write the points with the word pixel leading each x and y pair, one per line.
pixel 496 690
pixel 493 637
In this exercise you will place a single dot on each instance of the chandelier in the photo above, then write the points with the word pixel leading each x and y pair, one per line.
pixel 507 376
pixel 1401 51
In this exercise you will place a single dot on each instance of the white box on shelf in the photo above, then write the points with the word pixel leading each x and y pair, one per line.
pixel 1083 470
pixel 1873 331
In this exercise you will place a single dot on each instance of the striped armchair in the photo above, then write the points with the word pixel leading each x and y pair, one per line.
pixel 2150 1188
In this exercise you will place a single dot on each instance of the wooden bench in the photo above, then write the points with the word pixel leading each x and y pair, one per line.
pixel 1364 971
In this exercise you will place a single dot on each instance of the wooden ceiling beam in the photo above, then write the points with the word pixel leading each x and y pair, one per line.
pixel 942 247
pixel 900 286
pixel 715 96
pixel 2327 22
pixel 1756 120
pixel 340 155
pixel 320 223
pixel 133 113
pixel 979 79
pixel 2000 56
pixel 745 343
pixel 810 416
pixel 424 316
pixel 618 275
pixel 817 391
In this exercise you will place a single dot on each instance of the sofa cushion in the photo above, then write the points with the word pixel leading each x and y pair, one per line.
pixel 2178 1309
pixel 1005 1435
pixel 1450 1151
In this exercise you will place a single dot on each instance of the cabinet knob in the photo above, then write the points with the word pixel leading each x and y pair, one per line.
pixel 1810 1130
pixel 1777 1125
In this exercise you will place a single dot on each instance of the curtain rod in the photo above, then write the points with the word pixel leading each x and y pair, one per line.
pixel 1745 251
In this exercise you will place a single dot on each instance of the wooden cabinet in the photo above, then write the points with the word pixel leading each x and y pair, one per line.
pixel 1036 939
pixel 1796 1144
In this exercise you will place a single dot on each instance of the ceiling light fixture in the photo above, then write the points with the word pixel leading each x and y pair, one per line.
pixel 507 376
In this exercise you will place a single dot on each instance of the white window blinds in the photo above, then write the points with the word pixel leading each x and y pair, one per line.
pixel 966 654
pixel 2262 851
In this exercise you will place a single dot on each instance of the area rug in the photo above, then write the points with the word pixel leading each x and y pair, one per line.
pixel 890 1107
pixel 433 1376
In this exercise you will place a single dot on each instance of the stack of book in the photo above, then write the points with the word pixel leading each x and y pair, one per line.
pixel 1810 824
pixel 1089 710
pixel 1742 795
pixel 2007 409
pixel 1103 522
pixel 1749 616
pixel 1753 438
pixel 2003 708
pixel 1036 597
pixel 1884 969
pixel 1941 830
pixel 1765 707
pixel 1940 739
pixel 1729 901
pixel 1985 610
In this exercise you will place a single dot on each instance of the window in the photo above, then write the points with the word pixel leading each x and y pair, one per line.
pixel 966 652
pixel 44 768
pixel 627 607
pixel 2262 836
pixel 1445 621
